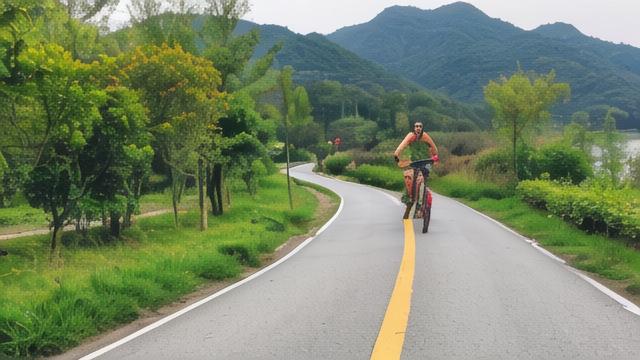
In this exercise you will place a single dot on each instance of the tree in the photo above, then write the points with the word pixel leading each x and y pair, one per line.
pixel 402 124
pixel 327 100
pixel 118 155
pixel 179 89
pixel 69 106
pixel 355 132
pixel 521 103
pixel 79 12
pixel 611 146
pixel 576 133
pixel 165 22
pixel 288 109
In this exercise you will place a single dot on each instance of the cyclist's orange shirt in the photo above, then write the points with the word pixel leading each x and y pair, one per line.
pixel 411 137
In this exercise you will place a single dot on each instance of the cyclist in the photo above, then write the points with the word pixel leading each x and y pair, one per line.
pixel 417 139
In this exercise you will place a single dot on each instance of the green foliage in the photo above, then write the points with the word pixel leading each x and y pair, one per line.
pixel 456 49
pixel 246 254
pixel 611 146
pixel 462 143
pixel 101 287
pixel 497 163
pixel 321 150
pixel 521 104
pixel 462 186
pixel 562 163
pixel 380 176
pixel 610 211
pixel 336 164
pixel 634 171
pixel 355 132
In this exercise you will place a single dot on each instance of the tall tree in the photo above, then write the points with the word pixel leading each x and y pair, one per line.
pixel 521 103
pixel 69 107
pixel 288 109
pixel 80 12
pixel 179 89
pixel 611 146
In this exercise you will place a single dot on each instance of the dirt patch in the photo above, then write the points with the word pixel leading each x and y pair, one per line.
pixel 326 208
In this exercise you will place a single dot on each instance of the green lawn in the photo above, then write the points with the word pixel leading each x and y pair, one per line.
pixel 45 309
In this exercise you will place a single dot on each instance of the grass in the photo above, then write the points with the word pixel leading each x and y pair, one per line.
pixel 609 258
pixel 46 309
pixel 23 217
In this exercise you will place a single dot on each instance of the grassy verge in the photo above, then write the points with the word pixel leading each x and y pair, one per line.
pixel 609 258
pixel 23 217
pixel 46 309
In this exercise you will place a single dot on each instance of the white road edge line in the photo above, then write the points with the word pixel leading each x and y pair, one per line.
pixel 165 320
pixel 626 304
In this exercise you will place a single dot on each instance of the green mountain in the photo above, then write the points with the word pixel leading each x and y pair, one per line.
pixel 316 58
pixel 457 49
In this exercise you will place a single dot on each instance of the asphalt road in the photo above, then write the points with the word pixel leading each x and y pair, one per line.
pixel 479 292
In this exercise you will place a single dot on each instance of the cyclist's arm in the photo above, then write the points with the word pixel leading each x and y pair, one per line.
pixel 432 146
pixel 403 144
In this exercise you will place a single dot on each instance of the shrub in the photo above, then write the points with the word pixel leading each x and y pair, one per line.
pixel 610 211
pixel 294 155
pixel 380 176
pixel 500 162
pixel 461 186
pixel 246 254
pixel 337 163
pixel 562 162
pixel 372 158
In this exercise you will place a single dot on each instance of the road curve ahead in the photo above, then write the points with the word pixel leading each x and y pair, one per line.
pixel 479 292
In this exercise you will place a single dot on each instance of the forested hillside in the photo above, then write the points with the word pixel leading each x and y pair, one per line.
pixel 457 49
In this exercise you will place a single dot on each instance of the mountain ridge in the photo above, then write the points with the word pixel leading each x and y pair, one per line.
pixel 456 49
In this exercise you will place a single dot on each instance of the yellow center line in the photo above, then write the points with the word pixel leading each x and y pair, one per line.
pixel 391 337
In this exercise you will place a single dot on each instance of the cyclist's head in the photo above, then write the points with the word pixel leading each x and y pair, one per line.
pixel 418 128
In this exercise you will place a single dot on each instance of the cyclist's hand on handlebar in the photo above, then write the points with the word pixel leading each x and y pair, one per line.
pixel 435 158
pixel 396 158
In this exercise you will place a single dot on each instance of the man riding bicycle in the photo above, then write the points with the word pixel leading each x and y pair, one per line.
pixel 417 139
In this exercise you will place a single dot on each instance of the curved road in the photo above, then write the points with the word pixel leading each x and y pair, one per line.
pixel 479 292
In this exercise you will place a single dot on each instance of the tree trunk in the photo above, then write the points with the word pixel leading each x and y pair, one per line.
pixel 210 189
pixel 114 227
pixel 217 181
pixel 56 235
pixel 201 203
pixel 286 144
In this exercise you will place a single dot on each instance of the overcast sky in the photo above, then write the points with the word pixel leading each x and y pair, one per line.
pixel 612 20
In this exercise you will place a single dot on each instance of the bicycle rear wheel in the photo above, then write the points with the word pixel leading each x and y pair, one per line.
pixel 426 218
pixel 426 210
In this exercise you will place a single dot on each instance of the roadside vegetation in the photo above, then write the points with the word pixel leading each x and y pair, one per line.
pixel 547 183
pixel 44 309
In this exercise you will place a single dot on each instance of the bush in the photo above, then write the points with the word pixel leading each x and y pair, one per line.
pixel 361 157
pixel 462 143
pixel 610 211
pixel 562 163
pixel 380 176
pixel 246 254
pixel 460 186
pixel 337 163
pixel 295 155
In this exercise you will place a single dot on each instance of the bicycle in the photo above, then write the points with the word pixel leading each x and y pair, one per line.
pixel 423 208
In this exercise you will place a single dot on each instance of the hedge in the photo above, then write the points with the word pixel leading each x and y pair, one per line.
pixel 611 211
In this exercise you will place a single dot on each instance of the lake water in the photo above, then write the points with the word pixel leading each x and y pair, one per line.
pixel 632 147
